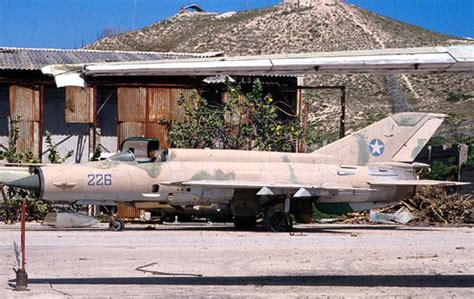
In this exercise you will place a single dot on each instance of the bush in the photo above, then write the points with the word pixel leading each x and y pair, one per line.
pixel 241 122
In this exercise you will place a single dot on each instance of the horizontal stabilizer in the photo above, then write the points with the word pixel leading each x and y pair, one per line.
pixel 417 183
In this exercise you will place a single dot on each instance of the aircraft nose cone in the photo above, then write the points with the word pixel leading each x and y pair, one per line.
pixel 31 183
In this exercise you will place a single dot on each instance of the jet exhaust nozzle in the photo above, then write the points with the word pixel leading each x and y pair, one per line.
pixel 31 183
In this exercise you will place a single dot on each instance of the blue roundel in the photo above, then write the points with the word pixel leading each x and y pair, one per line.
pixel 376 147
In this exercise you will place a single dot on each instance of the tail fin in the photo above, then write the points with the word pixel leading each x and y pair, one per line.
pixel 397 138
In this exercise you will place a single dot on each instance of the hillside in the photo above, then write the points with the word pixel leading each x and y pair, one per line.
pixel 328 25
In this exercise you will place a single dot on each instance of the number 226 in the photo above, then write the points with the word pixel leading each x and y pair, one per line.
pixel 99 179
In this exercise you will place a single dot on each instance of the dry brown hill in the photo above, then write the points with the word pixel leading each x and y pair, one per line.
pixel 327 25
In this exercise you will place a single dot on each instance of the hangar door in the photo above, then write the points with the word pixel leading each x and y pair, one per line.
pixel 145 111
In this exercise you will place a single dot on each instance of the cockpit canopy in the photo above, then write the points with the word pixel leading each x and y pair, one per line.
pixel 140 149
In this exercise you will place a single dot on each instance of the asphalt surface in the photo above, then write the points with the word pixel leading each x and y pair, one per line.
pixel 201 260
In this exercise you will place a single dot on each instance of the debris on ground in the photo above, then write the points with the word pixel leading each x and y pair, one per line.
pixel 429 205
pixel 402 216
pixel 438 206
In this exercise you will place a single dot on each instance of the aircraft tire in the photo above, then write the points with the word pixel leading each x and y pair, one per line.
pixel 245 222
pixel 117 225
pixel 279 222
pixel 303 218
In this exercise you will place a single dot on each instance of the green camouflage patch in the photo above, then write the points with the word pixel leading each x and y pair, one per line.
pixel 219 175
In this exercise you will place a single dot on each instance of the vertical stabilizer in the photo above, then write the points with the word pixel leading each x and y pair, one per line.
pixel 397 138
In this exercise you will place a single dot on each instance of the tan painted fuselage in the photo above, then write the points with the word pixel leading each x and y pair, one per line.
pixel 160 181
pixel 370 168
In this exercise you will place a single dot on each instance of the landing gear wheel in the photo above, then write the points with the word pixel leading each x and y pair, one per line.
pixel 245 222
pixel 116 225
pixel 279 222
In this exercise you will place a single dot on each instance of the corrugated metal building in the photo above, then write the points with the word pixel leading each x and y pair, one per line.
pixel 109 110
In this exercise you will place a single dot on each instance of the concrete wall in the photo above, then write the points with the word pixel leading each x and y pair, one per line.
pixel 66 136
pixel 107 122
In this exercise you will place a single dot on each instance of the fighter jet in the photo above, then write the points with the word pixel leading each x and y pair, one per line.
pixel 371 168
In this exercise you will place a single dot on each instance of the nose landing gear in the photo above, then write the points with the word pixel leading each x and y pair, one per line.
pixel 116 224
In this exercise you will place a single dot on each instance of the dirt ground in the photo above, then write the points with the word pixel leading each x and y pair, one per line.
pixel 202 260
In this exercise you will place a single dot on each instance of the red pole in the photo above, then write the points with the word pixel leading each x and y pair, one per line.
pixel 23 233
pixel 21 275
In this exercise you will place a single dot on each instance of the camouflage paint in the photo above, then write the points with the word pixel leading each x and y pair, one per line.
pixel 171 155
pixel 219 175
pixel 363 150
pixel 293 177
pixel 106 164
pixel 407 120
pixel 247 172
pixel 420 144
pixel 153 169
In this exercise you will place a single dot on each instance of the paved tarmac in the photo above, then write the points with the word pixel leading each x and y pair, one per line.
pixel 200 260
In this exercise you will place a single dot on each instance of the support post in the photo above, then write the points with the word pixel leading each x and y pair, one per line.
pixel 21 275
pixel 342 122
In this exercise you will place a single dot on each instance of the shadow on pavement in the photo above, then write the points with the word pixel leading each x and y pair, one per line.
pixel 318 228
pixel 424 281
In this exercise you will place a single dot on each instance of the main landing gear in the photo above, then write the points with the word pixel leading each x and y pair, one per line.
pixel 277 219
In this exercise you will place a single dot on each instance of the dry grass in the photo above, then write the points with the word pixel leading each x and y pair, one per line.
pixel 430 206
pixel 436 205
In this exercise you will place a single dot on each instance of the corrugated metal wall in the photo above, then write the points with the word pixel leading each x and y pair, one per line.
pixel 131 103
pixel 25 105
pixel 131 129
pixel 146 111
pixel 79 105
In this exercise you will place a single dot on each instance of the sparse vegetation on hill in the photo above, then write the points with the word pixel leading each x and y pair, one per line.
pixel 323 27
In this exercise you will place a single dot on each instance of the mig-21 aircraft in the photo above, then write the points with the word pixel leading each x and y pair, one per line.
pixel 371 168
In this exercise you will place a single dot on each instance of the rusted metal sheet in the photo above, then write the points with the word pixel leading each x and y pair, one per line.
pixel 160 110
pixel 125 210
pixel 148 111
pixel 79 105
pixel 176 94
pixel 163 107
pixel 164 103
pixel 25 102
pixel 159 131
pixel 131 129
pixel 160 104
pixel 28 136
pixel 131 103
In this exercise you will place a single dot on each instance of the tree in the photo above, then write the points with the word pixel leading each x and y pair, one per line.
pixel 249 121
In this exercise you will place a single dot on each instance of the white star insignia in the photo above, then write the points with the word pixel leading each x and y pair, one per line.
pixel 376 147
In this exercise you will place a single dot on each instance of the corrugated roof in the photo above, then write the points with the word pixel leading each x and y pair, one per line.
pixel 35 59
